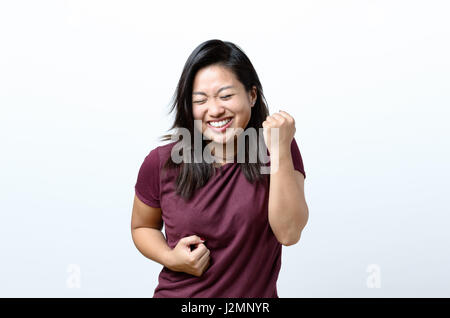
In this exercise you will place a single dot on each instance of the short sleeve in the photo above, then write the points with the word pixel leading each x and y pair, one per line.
pixel 148 182
pixel 297 157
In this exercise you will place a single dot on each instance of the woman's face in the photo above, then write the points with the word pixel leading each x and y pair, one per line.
pixel 220 101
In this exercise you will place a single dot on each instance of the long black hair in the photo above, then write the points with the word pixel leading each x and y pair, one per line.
pixel 213 52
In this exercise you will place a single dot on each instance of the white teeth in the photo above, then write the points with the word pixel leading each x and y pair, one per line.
pixel 219 124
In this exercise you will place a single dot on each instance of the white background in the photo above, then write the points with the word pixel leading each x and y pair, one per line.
pixel 84 93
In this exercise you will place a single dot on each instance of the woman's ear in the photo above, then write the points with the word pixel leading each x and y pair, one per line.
pixel 253 96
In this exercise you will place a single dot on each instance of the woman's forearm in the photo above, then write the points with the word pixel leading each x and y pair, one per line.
pixel 152 244
pixel 288 211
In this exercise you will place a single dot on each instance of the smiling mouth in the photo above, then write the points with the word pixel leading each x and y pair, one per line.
pixel 221 123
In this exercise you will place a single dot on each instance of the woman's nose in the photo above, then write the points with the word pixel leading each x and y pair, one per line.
pixel 215 109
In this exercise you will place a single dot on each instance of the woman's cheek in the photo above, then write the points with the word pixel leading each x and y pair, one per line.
pixel 245 119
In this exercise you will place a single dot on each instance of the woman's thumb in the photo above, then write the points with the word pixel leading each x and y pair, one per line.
pixel 193 239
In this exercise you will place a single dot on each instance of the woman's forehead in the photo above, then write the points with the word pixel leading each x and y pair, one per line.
pixel 214 78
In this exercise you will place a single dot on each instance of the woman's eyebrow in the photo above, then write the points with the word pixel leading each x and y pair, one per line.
pixel 219 90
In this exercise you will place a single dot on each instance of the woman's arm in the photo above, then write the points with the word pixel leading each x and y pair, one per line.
pixel 146 226
pixel 288 211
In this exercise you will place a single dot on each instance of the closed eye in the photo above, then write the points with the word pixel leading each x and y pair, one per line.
pixel 223 97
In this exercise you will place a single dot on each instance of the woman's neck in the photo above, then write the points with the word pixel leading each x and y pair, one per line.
pixel 224 153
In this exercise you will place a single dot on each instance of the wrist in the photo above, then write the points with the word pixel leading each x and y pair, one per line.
pixel 282 159
pixel 285 154
pixel 280 154
pixel 167 257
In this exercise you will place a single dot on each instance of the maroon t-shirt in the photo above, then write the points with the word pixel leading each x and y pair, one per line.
pixel 231 214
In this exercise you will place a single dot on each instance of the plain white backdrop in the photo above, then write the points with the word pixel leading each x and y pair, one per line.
pixel 85 88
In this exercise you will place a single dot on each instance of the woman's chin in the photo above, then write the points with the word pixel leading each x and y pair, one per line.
pixel 221 137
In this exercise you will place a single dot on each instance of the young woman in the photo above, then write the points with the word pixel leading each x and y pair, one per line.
pixel 225 221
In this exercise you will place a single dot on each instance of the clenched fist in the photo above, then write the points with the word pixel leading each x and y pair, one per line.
pixel 286 130
pixel 183 259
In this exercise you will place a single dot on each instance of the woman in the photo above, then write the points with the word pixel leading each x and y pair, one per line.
pixel 225 221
